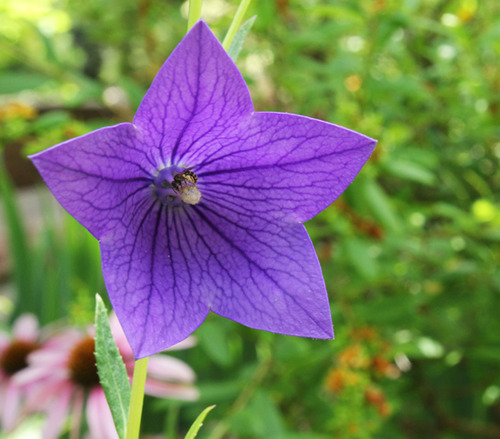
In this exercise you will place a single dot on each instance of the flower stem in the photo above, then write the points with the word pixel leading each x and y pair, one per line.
pixel 172 419
pixel 240 13
pixel 194 12
pixel 136 399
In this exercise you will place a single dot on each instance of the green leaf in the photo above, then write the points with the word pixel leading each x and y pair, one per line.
pixel 214 341
pixel 306 435
pixel 358 253
pixel 381 205
pixel 112 372
pixel 193 431
pixel 13 82
pixel 18 246
pixel 237 43
pixel 410 171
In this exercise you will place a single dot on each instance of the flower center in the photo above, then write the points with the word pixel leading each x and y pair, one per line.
pixel 175 186
pixel 15 356
pixel 82 363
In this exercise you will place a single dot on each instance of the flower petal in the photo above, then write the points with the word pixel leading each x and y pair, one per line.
pixel 56 414
pixel 286 166
pixel 26 328
pixel 10 412
pixel 197 97
pixel 154 294
pixel 161 389
pixel 4 340
pixel 99 416
pixel 41 394
pixel 100 177
pixel 167 368
pixel 263 274
pixel 184 344
pixel 163 278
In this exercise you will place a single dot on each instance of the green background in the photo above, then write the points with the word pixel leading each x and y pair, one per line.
pixel 410 252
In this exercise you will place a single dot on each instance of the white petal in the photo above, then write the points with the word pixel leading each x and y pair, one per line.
pixel 170 369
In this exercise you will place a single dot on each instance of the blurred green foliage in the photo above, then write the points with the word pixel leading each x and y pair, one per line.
pixel 410 252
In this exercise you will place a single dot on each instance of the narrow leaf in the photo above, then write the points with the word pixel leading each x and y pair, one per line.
pixel 237 43
pixel 111 369
pixel 193 431
pixel 18 246
pixel 12 82
pixel 235 24
pixel 381 206
pixel 410 171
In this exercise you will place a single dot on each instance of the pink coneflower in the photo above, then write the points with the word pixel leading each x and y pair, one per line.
pixel 63 381
pixel 167 376
pixel 14 350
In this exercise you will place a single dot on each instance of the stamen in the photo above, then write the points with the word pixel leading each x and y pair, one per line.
pixel 82 363
pixel 176 185
pixel 15 356
pixel 190 194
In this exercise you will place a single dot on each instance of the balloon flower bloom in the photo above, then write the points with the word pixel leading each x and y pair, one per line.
pixel 198 203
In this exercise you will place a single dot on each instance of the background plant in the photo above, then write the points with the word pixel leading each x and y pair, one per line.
pixel 409 253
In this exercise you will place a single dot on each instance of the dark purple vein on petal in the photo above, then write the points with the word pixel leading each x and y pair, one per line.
pixel 242 140
pixel 168 232
pixel 151 275
pixel 188 261
pixel 121 159
pixel 214 255
pixel 231 244
pixel 282 165
pixel 194 256
pixel 124 200
pixel 136 238
pixel 194 110
pixel 248 231
pixel 92 175
pixel 252 262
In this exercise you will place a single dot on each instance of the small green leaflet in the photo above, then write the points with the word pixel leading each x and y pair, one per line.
pixel 112 372
pixel 193 431
pixel 237 43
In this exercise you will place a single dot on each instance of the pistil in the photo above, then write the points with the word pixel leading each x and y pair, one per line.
pixel 174 186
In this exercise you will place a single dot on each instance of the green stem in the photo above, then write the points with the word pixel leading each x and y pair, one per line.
pixel 194 12
pixel 172 419
pixel 240 13
pixel 136 399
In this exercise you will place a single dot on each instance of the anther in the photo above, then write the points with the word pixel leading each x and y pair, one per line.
pixel 190 194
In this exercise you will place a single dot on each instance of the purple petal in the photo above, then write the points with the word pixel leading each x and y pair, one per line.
pixel 98 178
pixel 195 101
pixel 155 295
pixel 285 166
pixel 163 278
pixel 260 273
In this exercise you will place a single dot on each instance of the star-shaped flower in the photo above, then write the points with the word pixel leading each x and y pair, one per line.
pixel 198 203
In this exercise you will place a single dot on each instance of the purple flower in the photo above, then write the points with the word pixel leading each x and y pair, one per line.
pixel 198 203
